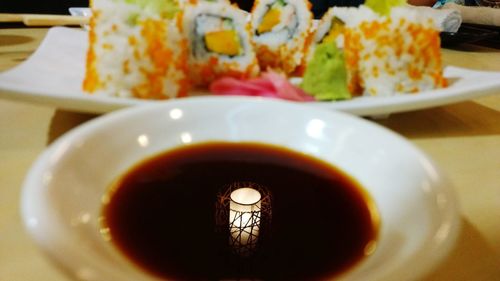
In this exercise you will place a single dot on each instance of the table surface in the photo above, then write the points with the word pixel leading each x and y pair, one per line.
pixel 463 138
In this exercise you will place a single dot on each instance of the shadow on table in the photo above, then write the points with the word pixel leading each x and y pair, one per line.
pixel 63 121
pixel 7 40
pixel 455 120
pixel 471 259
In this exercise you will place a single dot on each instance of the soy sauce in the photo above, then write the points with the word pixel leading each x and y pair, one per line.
pixel 161 214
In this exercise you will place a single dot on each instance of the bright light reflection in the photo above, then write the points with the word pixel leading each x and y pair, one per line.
pixel 186 138
pixel 315 128
pixel 85 218
pixel 176 113
pixel 143 140
pixel 244 216
pixel 32 222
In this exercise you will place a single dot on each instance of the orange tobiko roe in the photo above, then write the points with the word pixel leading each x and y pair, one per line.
pixel 154 33
pixel 424 49
pixel 91 81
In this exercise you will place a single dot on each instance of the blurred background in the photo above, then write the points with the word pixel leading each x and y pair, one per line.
pixel 61 6
pixel 41 7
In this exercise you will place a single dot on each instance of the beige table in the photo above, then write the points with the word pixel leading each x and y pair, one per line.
pixel 463 138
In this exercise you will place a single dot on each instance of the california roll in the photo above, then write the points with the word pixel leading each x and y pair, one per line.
pixel 219 42
pixel 136 50
pixel 281 32
pixel 395 53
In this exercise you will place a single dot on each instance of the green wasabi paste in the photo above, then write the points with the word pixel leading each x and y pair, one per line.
pixel 168 8
pixel 383 7
pixel 326 76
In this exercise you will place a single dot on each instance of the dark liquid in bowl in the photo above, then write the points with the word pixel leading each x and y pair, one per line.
pixel 161 214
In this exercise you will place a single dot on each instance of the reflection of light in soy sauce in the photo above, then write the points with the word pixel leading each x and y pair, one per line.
pixel 161 215
pixel 244 220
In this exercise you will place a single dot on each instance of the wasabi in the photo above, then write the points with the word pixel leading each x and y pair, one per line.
pixel 166 8
pixel 383 7
pixel 326 76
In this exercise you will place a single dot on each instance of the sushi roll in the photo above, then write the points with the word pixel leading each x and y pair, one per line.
pixel 219 42
pixel 281 33
pixel 136 50
pixel 330 27
pixel 387 55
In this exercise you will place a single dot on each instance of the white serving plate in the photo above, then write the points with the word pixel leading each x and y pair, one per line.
pixel 61 197
pixel 53 76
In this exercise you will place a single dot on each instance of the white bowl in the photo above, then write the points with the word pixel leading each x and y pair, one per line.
pixel 61 200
